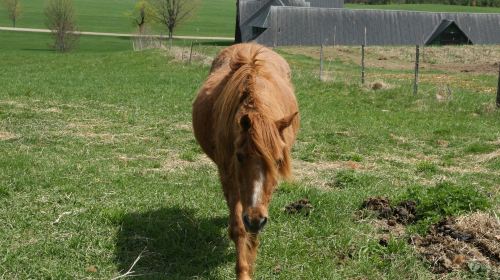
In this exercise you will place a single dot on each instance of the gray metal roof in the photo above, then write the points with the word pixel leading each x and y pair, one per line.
pixel 285 25
pixel 442 27
pixel 326 3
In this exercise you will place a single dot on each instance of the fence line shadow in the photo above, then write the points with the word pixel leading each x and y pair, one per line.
pixel 175 244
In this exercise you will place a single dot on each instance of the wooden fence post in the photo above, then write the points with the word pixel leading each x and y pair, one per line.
pixel 334 34
pixel 415 83
pixel 363 64
pixel 191 52
pixel 321 63
pixel 498 87
pixel 363 59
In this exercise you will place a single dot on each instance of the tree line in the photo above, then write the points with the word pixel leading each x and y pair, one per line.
pixel 478 3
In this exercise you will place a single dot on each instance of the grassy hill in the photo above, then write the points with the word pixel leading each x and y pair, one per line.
pixel 214 17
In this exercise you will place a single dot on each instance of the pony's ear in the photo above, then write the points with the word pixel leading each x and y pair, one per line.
pixel 245 122
pixel 285 122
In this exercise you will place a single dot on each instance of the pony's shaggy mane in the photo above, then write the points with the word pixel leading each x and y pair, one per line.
pixel 240 97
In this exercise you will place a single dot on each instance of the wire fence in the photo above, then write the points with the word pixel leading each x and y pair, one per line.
pixel 421 69
pixel 439 70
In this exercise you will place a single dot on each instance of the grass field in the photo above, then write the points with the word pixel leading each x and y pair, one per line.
pixel 427 8
pixel 213 18
pixel 99 164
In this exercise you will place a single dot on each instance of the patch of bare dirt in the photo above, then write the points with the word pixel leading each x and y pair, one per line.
pixel 404 213
pixel 302 206
pixel 173 163
pixel 12 103
pixel 443 143
pixel 495 142
pixel 313 172
pixel 465 242
pixel 51 110
pixel 378 85
pixel 389 228
pixel 470 242
pixel 184 127
pixel 490 156
pixel 480 68
pixel 5 135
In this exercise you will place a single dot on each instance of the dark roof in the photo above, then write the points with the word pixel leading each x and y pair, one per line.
pixel 450 28
pixel 286 25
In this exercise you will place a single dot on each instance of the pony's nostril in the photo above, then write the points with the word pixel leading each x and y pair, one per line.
pixel 262 222
pixel 246 221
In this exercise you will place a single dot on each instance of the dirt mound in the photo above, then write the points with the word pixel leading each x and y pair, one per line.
pixel 302 206
pixel 404 213
pixel 467 242
pixel 378 85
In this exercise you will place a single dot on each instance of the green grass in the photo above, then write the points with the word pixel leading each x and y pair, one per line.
pixel 99 140
pixel 444 200
pixel 214 17
pixel 427 8
pixel 15 41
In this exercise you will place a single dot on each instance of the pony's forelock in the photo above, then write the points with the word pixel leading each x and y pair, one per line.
pixel 268 143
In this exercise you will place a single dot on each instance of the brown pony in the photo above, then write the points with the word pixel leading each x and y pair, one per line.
pixel 245 119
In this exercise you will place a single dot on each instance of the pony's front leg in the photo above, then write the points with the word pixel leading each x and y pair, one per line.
pixel 244 243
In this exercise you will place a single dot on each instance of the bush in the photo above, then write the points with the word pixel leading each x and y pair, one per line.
pixel 61 21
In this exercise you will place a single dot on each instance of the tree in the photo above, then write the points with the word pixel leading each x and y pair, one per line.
pixel 141 15
pixel 171 13
pixel 61 21
pixel 13 8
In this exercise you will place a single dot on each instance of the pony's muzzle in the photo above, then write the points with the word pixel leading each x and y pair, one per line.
pixel 254 225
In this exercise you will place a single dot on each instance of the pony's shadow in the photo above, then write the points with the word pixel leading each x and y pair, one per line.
pixel 173 244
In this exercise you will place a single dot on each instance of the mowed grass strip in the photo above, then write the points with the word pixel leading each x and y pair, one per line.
pixel 212 18
pixel 99 166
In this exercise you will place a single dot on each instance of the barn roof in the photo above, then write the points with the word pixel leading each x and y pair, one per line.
pixel 448 26
pixel 287 25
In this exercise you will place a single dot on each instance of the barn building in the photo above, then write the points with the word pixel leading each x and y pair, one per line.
pixel 315 22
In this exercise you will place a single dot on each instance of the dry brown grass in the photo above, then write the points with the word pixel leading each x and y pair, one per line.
pixel 441 67
pixel 313 173
pixel 475 59
pixel 182 54
pixel 457 243
pixel 5 135
pixel 174 163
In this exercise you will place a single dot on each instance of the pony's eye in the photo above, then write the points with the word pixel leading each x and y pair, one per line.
pixel 240 157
